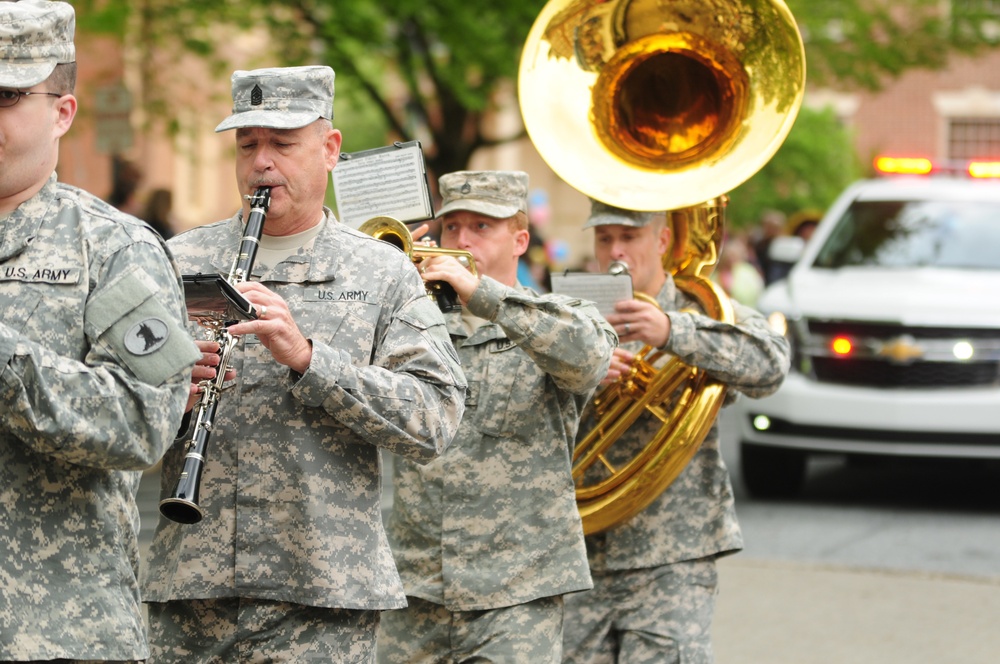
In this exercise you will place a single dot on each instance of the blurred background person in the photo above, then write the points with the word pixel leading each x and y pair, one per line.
pixel 158 212
pixel 739 278
pixel 533 264
pixel 771 225
pixel 803 223
pixel 125 180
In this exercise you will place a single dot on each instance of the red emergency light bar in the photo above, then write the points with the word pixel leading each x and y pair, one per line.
pixel 984 169
pixel 890 165
pixel 903 165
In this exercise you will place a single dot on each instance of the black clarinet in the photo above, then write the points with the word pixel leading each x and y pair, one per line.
pixel 182 505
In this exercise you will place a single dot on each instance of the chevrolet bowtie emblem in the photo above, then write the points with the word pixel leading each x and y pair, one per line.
pixel 901 349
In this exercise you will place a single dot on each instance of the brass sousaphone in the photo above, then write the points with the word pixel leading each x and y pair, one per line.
pixel 659 105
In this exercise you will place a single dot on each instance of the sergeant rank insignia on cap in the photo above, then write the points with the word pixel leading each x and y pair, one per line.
pixel 256 96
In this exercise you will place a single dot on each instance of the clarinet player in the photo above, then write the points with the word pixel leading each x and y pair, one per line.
pixel 290 562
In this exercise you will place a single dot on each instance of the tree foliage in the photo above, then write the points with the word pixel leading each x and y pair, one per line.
pixel 431 69
pixel 811 167
pixel 868 42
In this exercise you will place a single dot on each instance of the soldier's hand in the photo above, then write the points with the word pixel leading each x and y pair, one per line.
pixel 635 320
pixel 205 369
pixel 419 232
pixel 447 268
pixel 275 327
pixel 621 362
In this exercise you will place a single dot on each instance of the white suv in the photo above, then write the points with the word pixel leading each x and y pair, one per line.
pixel 893 313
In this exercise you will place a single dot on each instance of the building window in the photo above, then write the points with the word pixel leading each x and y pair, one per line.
pixel 974 138
pixel 971 19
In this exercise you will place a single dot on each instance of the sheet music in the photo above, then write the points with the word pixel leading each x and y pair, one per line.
pixel 389 181
pixel 602 289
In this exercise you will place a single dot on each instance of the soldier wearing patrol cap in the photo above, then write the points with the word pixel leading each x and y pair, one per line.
pixel 95 365
pixel 488 538
pixel 654 575
pixel 290 561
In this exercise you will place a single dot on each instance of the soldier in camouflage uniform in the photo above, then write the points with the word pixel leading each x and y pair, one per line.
pixel 95 364
pixel 654 575
pixel 488 538
pixel 291 562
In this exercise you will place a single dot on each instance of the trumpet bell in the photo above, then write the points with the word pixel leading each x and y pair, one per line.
pixel 395 232
pixel 617 94
pixel 391 230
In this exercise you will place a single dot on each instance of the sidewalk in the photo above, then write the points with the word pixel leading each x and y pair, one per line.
pixel 792 613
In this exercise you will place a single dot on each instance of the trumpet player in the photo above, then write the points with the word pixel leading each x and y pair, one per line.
pixel 290 562
pixel 654 575
pixel 487 538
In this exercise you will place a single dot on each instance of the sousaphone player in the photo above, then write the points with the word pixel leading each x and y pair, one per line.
pixel 649 106
pixel 654 574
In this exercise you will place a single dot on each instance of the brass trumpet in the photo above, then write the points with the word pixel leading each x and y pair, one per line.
pixel 395 232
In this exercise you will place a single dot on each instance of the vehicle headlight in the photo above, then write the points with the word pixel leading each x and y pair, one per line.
pixel 963 350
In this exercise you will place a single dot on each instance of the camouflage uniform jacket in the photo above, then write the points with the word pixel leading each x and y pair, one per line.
pixel 292 485
pixel 95 373
pixel 493 522
pixel 695 517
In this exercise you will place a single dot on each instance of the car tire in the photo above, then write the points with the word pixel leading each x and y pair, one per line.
pixel 772 472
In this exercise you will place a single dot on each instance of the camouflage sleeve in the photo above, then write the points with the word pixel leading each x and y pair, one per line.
pixel 119 407
pixel 747 356
pixel 410 399
pixel 568 339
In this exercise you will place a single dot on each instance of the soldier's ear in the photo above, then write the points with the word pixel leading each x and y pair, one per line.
pixel 331 148
pixel 521 240
pixel 663 241
pixel 65 107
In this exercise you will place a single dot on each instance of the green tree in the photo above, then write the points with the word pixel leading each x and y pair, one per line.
pixel 427 70
pixel 868 42
pixel 432 69
pixel 811 167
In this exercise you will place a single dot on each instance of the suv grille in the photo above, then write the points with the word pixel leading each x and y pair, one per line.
pixel 866 366
pixel 879 373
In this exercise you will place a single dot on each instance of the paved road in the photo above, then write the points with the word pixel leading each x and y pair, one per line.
pixel 860 570
pixel 879 564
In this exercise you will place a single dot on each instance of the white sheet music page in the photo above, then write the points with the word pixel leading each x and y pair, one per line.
pixel 602 289
pixel 388 181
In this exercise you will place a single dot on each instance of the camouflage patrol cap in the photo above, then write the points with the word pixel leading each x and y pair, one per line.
pixel 497 194
pixel 35 36
pixel 602 214
pixel 280 97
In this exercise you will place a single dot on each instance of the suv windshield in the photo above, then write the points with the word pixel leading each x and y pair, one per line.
pixel 904 234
